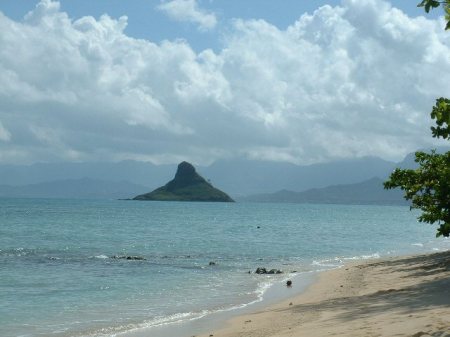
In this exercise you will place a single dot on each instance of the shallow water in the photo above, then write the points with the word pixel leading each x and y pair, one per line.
pixel 58 277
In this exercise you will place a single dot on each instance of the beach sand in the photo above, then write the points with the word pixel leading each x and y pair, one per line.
pixel 405 296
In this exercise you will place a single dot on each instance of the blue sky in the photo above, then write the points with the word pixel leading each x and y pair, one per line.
pixel 202 80
pixel 147 22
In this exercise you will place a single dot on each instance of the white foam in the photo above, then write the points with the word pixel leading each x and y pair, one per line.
pixel 337 262
pixel 155 322
pixel 186 316
pixel 363 257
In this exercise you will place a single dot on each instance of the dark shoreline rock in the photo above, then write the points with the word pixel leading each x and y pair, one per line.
pixel 128 257
pixel 262 270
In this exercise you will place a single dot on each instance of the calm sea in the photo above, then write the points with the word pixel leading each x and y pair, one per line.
pixel 58 276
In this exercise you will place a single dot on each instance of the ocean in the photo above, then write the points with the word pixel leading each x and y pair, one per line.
pixel 123 268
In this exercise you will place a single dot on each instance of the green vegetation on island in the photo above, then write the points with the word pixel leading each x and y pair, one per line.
pixel 187 185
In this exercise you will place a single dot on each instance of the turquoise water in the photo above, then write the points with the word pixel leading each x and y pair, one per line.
pixel 58 277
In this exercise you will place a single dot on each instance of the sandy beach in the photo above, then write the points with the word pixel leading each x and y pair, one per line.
pixel 404 296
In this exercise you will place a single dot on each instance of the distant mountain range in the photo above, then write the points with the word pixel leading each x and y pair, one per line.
pixel 369 192
pixel 239 178
pixel 85 188
pixel 246 177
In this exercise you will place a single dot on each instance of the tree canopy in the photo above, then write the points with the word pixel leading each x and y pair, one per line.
pixel 428 186
pixel 430 4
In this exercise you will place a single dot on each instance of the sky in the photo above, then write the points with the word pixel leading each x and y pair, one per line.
pixel 204 80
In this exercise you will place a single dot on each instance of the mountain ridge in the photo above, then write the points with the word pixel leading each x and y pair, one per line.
pixel 239 177
pixel 83 188
pixel 368 192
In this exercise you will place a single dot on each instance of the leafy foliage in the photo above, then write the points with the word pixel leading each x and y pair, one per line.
pixel 441 113
pixel 428 187
pixel 430 4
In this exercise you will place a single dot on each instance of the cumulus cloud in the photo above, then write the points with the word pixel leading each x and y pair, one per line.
pixel 189 11
pixel 348 81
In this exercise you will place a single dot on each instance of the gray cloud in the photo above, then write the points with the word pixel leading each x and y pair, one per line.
pixel 349 81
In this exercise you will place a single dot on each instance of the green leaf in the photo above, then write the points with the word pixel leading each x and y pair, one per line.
pixel 422 3
pixel 429 4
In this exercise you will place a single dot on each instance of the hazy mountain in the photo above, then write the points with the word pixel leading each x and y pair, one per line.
pixel 245 177
pixel 409 161
pixel 238 177
pixel 366 193
pixel 140 173
pixel 84 188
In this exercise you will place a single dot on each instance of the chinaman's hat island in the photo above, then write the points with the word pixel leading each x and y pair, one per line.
pixel 187 185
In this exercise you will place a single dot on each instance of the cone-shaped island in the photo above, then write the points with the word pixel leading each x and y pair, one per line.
pixel 187 185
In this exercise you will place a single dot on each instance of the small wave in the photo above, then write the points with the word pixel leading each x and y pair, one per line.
pixel 417 244
pixel 339 261
pixel 178 318
pixel 363 257
pixel 261 290
pixel 17 252
pixel 101 256
pixel 153 323
pixel 328 263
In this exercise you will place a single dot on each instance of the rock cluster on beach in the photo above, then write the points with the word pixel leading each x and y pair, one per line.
pixel 187 185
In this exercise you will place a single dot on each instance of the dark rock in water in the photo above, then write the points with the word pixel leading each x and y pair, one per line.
pixel 261 270
pixel 265 271
pixel 212 263
pixel 128 257
pixel 187 185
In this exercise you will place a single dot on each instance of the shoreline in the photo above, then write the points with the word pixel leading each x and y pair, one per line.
pixel 275 293
pixel 393 296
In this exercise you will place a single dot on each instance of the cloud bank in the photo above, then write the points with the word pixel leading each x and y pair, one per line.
pixel 342 82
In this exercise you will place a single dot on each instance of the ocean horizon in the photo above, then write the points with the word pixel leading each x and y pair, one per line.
pixel 111 267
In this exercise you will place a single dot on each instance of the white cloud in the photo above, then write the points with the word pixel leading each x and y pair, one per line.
pixel 189 11
pixel 354 80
